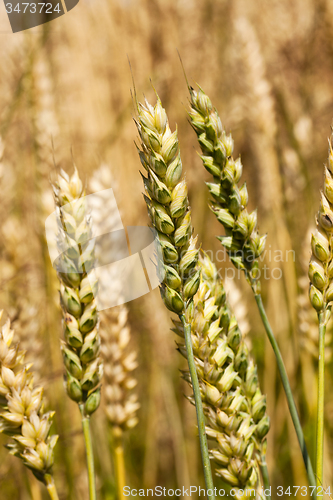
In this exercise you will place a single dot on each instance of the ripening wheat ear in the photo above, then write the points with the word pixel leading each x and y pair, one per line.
pixel 81 347
pixel 22 417
pixel 168 206
pixel 121 403
pixel 321 292
pixel 170 215
pixel 232 400
pixel 118 361
pixel 242 240
pixel 321 263
pixel 78 288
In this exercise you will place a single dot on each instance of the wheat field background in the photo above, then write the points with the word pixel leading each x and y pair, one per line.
pixel 268 67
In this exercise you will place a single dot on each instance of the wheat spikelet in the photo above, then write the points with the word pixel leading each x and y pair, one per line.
pixel 233 403
pixel 78 288
pixel 22 415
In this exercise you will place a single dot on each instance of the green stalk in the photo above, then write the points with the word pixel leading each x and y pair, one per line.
pixel 89 453
pixel 287 390
pixel 50 486
pixel 320 406
pixel 118 451
pixel 199 409
pixel 265 476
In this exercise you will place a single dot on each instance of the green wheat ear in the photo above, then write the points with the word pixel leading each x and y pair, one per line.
pixel 242 241
pixel 321 293
pixel 78 287
pixel 168 206
pixel 321 263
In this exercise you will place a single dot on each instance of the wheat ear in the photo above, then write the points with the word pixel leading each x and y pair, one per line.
pixel 242 240
pixel 229 201
pixel 22 417
pixel 81 347
pixel 321 293
pixel 307 315
pixel 121 402
pixel 233 403
pixel 170 215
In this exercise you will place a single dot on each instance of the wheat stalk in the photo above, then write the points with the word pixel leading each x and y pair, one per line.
pixel 81 347
pixel 22 416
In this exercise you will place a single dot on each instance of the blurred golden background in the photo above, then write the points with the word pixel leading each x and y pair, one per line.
pixel 268 67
